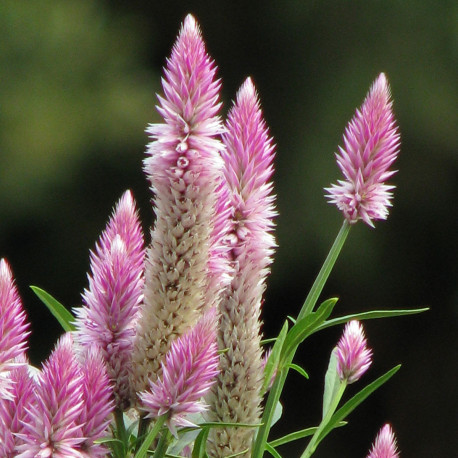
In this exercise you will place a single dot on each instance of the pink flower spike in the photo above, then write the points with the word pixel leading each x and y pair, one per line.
pixel 98 402
pixel 384 445
pixel 14 413
pixel 13 328
pixel 371 145
pixel 54 429
pixel 248 170
pixel 353 356
pixel 188 372
pixel 186 267
pixel 112 300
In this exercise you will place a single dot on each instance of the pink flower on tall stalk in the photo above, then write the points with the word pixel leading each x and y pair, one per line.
pixel 112 300
pixel 54 429
pixel 248 168
pixel 185 169
pixel 371 145
pixel 384 445
pixel 13 328
pixel 14 411
pixel 188 372
pixel 353 356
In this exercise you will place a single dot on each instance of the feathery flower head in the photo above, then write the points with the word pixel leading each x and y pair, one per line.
pixel 53 429
pixel 371 145
pixel 384 445
pixel 248 167
pixel 98 402
pixel 184 166
pixel 13 328
pixel 14 412
pixel 115 291
pixel 236 397
pixel 188 372
pixel 353 356
pixel 189 106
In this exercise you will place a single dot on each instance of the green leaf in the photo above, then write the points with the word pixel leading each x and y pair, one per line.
pixel 299 369
pixel 238 453
pixel 369 316
pixel 278 412
pixel 200 444
pixel 331 383
pixel 266 341
pixel 293 436
pixel 355 401
pixel 274 358
pixel 63 316
pixel 272 451
pixel 298 435
pixel 222 424
pixel 306 326
pixel 326 308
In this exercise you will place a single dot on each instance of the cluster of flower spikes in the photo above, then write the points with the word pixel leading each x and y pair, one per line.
pixel 60 410
pixel 149 329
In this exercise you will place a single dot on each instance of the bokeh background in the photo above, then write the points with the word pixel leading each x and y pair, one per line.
pixel 77 87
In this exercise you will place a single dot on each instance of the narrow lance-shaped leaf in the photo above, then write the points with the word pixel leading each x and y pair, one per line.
pixel 62 315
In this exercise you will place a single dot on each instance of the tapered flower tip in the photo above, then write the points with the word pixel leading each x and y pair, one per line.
pixel 188 373
pixel 384 445
pixel 371 145
pixel 353 356
pixel 248 162
pixel 189 87
pixel 13 327
pixel 53 430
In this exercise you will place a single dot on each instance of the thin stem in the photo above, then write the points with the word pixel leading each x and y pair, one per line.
pixel 121 432
pixel 313 444
pixel 269 409
pixel 162 445
pixel 277 388
pixel 324 272
pixel 142 428
pixel 143 450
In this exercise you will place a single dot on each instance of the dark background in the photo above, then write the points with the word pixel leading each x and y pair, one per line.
pixel 77 88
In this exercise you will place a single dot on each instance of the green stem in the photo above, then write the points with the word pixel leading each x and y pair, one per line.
pixel 277 388
pixel 269 409
pixel 313 444
pixel 324 272
pixel 121 432
pixel 162 445
pixel 143 450
pixel 142 429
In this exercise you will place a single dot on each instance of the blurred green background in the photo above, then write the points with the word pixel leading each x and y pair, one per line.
pixel 77 88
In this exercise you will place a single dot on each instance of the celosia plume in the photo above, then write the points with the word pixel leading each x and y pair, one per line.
pixel 185 169
pixel 13 328
pixel 53 429
pixel 384 445
pixel 188 372
pixel 112 300
pixel 371 145
pixel 248 167
pixel 353 356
